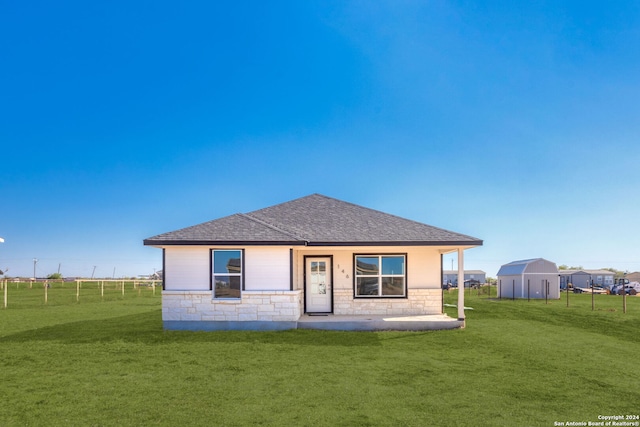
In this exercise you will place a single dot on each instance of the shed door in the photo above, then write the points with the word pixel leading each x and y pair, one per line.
pixel 318 287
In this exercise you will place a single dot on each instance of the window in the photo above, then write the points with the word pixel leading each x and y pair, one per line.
pixel 380 276
pixel 227 273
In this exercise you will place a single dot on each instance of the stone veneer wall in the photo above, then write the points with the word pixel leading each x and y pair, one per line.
pixel 287 306
pixel 253 306
pixel 420 301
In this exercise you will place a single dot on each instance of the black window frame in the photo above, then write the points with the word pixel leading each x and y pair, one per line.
pixel 213 274
pixel 380 275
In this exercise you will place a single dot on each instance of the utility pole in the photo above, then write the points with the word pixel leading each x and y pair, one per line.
pixel 35 261
pixel 93 272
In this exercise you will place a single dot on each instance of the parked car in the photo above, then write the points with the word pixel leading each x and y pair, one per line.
pixel 471 283
pixel 632 288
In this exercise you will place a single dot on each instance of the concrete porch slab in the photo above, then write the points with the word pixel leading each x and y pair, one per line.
pixel 379 323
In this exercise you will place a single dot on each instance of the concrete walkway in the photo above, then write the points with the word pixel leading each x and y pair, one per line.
pixel 379 323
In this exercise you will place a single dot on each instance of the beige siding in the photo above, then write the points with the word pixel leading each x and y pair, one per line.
pixel 267 282
pixel 186 268
pixel 423 268
pixel 423 279
pixel 267 269
pixel 423 265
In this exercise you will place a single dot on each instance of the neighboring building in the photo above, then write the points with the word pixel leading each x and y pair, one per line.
pixel 633 277
pixel 530 278
pixel 583 278
pixel 313 255
pixel 450 277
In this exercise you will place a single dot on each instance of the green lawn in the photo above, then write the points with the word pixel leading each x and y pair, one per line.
pixel 107 362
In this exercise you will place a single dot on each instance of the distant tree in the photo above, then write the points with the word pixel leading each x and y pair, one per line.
pixel 55 276
pixel 573 267
pixel 617 273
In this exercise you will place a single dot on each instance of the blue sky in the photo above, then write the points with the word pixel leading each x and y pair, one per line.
pixel 514 123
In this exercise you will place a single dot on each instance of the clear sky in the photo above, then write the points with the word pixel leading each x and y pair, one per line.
pixel 514 122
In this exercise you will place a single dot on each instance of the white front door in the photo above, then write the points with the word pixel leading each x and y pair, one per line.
pixel 318 286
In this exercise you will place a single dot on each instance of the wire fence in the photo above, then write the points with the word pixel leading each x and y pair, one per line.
pixel 32 293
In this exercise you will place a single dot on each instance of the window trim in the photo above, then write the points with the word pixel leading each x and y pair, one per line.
pixel 380 275
pixel 212 274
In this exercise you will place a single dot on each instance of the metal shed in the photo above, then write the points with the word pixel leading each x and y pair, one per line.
pixel 529 278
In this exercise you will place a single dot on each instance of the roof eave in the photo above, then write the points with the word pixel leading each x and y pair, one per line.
pixel 149 242
pixel 153 242
pixel 398 243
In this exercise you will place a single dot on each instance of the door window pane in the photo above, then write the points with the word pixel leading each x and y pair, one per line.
pixel 318 277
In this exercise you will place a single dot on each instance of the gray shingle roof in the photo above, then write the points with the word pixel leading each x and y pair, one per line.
pixel 314 220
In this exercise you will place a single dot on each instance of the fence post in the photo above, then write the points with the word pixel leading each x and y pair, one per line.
pixel 5 294
pixel 77 290
pixel 46 293
pixel 123 288
pixel 102 289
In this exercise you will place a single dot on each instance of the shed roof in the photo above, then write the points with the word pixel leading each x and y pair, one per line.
pixel 314 220
pixel 515 268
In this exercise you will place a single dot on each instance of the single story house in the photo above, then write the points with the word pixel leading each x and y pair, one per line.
pixel 451 276
pixel 584 278
pixel 314 255
pixel 529 278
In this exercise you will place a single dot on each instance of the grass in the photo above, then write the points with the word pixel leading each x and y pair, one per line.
pixel 107 362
